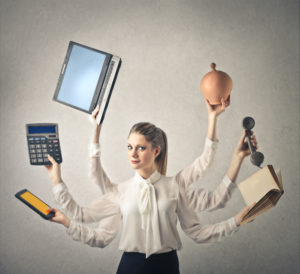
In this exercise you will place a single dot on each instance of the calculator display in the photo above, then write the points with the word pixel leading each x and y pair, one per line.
pixel 42 140
pixel 41 129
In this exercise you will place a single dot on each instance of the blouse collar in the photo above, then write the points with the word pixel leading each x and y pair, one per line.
pixel 155 176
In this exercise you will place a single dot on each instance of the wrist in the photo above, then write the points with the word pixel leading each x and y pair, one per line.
pixel 66 222
pixel 212 117
pixel 237 221
pixel 57 182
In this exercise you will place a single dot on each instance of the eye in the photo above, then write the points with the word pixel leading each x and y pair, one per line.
pixel 141 148
pixel 129 147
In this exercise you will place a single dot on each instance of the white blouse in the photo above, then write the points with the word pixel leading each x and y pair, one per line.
pixel 149 209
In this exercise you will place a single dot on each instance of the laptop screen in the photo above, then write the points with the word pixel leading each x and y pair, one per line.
pixel 81 77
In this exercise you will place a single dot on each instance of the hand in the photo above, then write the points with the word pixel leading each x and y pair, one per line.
pixel 59 217
pixel 94 114
pixel 54 171
pixel 216 110
pixel 242 150
pixel 239 218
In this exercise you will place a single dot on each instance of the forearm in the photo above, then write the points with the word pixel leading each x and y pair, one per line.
pixel 96 237
pixel 96 134
pixel 212 127
pixel 234 167
pixel 213 232
pixel 205 200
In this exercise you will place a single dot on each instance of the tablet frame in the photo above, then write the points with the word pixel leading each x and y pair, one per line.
pixel 18 195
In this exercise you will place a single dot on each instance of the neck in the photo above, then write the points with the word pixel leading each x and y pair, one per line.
pixel 146 173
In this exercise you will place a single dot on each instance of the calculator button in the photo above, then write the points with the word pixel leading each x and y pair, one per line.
pixel 39 155
pixel 44 150
pixel 32 151
pixel 38 146
pixel 33 160
pixel 33 155
pixel 45 155
pixel 31 146
pixel 46 160
pixel 38 151
pixel 44 146
pixel 50 146
pixel 40 160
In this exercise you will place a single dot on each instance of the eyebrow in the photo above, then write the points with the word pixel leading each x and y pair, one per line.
pixel 137 145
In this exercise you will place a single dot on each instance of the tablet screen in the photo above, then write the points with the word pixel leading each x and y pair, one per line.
pixel 81 76
pixel 35 202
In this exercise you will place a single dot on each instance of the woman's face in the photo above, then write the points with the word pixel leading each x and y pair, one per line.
pixel 141 154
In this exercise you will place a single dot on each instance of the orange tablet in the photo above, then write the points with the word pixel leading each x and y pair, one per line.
pixel 35 203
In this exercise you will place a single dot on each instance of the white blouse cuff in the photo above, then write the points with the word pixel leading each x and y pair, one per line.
pixel 71 229
pixel 232 224
pixel 94 150
pixel 227 182
pixel 210 143
pixel 58 188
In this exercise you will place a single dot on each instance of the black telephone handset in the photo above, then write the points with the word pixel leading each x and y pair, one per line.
pixel 256 157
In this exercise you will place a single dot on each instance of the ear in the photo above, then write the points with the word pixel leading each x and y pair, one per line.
pixel 157 151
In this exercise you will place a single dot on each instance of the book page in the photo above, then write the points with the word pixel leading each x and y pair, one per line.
pixel 258 185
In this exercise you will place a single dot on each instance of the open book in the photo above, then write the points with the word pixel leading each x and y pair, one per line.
pixel 263 187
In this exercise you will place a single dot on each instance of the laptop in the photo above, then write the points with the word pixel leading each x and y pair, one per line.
pixel 87 79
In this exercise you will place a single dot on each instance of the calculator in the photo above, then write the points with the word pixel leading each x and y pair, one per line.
pixel 42 139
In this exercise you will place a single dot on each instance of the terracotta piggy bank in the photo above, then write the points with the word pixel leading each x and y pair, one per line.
pixel 216 85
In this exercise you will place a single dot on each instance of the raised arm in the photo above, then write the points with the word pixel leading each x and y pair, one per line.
pixel 200 166
pixel 96 171
pixel 202 199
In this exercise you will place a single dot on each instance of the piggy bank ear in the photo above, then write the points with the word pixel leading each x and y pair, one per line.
pixel 216 85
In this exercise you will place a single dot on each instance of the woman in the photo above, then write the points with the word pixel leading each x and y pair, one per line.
pixel 150 203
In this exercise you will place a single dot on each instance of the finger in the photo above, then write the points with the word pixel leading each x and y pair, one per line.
pixel 207 103
pixel 51 159
pixel 228 101
pixel 95 111
pixel 243 138
pixel 48 167
pixel 223 104
pixel 249 207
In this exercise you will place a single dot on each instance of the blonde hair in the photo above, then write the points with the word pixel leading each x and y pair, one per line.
pixel 157 138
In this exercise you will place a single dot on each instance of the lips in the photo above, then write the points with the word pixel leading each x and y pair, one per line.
pixel 134 161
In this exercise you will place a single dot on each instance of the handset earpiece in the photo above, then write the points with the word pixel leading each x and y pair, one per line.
pixel 256 157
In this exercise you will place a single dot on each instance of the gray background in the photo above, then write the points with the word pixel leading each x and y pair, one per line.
pixel 166 47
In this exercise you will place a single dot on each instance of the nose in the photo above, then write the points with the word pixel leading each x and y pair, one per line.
pixel 134 153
